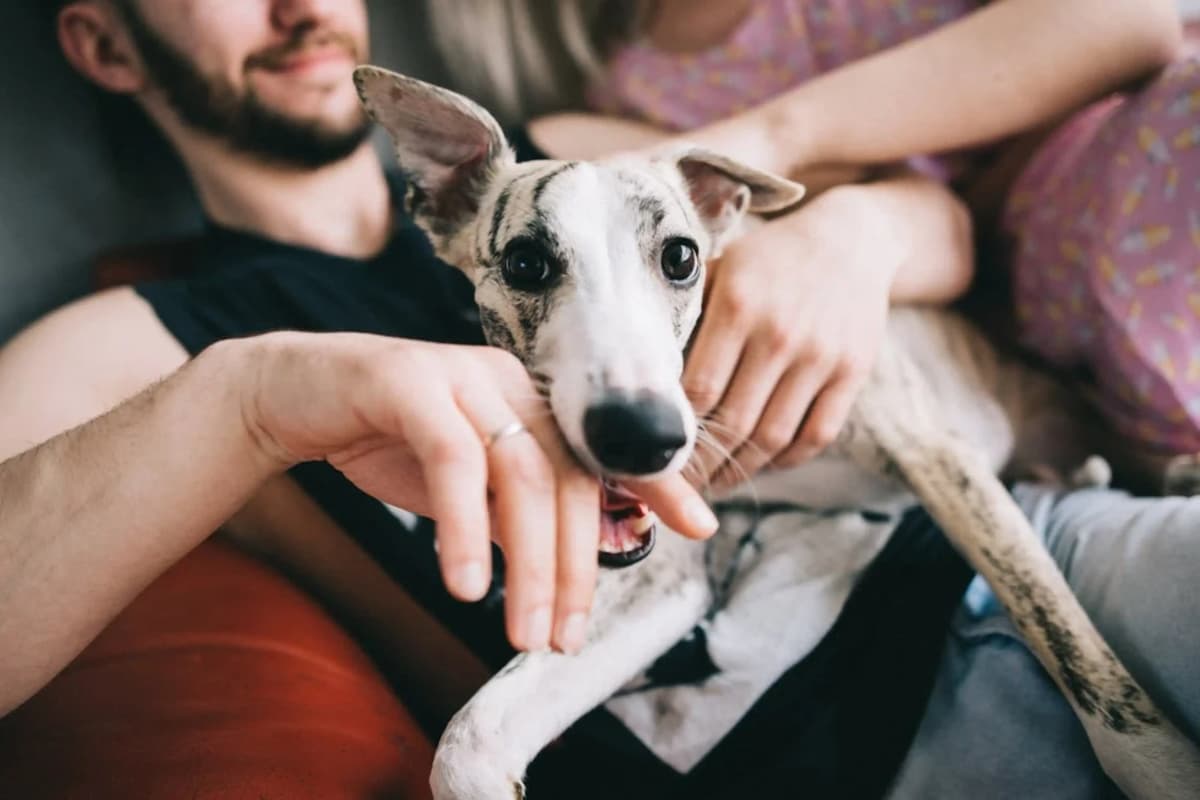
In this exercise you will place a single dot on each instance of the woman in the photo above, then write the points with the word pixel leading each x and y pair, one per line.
pixel 1096 200
pixel 813 84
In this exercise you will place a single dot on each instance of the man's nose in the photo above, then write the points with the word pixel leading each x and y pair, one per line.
pixel 291 14
pixel 634 434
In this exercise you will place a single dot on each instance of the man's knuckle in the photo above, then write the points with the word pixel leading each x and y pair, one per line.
pixel 504 362
pixel 446 451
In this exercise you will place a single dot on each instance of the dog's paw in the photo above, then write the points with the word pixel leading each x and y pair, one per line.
pixel 1182 476
pixel 461 773
pixel 1093 473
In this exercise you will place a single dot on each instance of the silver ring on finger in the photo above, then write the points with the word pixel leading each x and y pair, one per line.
pixel 504 432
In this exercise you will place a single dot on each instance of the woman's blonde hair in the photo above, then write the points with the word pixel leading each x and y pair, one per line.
pixel 524 57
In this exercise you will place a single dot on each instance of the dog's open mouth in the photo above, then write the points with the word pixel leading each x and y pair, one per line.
pixel 626 528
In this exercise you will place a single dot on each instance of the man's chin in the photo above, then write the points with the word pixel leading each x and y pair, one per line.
pixel 326 98
pixel 300 141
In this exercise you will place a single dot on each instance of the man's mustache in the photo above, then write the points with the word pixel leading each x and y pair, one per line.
pixel 278 56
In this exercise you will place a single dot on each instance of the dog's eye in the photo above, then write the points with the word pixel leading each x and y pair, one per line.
pixel 680 263
pixel 527 266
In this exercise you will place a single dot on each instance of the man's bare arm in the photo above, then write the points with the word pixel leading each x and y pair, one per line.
pixel 90 517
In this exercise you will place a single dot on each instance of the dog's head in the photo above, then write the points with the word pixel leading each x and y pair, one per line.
pixel 591 273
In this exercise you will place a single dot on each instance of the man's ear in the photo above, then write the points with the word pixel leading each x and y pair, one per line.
pixel 448 146
pixel 723 190
pixel 97 44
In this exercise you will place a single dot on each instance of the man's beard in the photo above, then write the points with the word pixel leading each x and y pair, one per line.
pixel 211 105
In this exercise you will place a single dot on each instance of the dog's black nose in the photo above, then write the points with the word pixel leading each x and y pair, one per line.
pixel 634 435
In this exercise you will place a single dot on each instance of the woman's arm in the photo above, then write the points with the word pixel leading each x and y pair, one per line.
pixel 1009 67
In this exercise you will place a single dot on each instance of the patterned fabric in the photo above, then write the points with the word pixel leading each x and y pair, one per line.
pixel 1106 217
pixel 780 43
pixel 1107 268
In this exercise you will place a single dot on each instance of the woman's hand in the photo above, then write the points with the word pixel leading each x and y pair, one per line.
pixel 409 423
pixel 795 314
pixel 796 310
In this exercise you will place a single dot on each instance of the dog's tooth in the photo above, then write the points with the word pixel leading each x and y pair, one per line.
pixel 643 523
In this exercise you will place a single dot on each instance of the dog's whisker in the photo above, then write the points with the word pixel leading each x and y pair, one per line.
pixel 726 462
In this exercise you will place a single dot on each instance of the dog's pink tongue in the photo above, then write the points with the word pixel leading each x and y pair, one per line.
pixel 625 521
pixel 619 536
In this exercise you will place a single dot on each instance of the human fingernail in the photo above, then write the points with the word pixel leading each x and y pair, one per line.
pixel 537 629
pixel 571 632
pixel 700 516
pixel 469 580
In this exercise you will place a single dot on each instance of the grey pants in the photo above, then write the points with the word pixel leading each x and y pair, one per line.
pixel 996 726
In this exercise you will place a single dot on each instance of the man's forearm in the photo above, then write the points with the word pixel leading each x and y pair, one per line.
pixel 1009 67
pixel 92 516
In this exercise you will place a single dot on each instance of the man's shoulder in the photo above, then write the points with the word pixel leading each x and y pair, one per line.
pixel 241 284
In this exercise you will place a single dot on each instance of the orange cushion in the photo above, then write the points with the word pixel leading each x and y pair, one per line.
pixel 221 680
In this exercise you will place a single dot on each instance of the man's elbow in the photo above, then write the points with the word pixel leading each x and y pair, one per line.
pixel 1159 28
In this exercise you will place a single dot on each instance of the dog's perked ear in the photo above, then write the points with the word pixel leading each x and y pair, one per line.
pixel 724 190
pixel 448 147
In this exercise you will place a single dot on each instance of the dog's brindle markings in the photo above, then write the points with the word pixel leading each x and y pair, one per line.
pixel 940 416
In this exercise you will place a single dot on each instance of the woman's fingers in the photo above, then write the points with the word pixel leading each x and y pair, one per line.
pixel 736 418
pixel 825 419
pixel 715 352
pixel 779 424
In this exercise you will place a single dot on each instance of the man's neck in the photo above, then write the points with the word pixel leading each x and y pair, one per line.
pixel 343 208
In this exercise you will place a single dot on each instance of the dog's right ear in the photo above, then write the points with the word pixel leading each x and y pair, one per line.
pixel 724 190
pixel 449 147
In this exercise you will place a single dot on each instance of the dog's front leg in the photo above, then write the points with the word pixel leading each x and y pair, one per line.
pixel 638 614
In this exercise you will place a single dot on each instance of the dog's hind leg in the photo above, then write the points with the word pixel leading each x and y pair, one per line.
pixel 896 427
pixel 638 614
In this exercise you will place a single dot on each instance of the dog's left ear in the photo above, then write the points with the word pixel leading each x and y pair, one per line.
pixel 724 190
pixel 448 146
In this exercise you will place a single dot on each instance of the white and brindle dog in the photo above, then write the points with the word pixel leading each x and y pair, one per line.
pixel 592 274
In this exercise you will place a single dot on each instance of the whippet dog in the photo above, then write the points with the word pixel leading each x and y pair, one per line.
pixel 592 274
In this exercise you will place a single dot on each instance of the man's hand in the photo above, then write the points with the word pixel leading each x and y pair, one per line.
pixel 795 315
pixel 407 422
